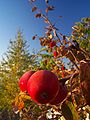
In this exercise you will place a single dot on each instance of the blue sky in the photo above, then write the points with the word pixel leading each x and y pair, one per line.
pixel 16 14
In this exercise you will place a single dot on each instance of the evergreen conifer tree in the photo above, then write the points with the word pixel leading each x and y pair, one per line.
pixel 16 61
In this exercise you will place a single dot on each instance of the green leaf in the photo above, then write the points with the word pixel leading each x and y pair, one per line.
pixel 69 111
pixel 45 55
pixel 43 49
pixel 88 33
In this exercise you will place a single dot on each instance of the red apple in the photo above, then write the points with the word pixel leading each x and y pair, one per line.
pixel 43 86
pixel 52 44
pixel 60 96
pixel 24 79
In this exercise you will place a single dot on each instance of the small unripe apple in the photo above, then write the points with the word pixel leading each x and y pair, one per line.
pixel 55 53
pixel 24 79
pixel 62 68
pixel 60 96
pixel 43 86
pixel 52 44
pixel 63 74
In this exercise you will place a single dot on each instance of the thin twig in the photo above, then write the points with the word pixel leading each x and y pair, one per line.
pixel 52 26
pixel 75 60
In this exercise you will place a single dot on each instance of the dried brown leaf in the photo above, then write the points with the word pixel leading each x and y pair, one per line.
pixel 32 0
pixel 84 71
pixel 85 80
pixel 85 86
pixel 46 21
pixel 38 15
pixel 44 41
pixel 48 33
pixel 49 8
pixel 34 37
pixel 47 1
pixel 70 56
pixel 60 16
pixel 34 8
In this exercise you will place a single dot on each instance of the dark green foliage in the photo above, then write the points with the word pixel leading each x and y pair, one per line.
pixel 81 32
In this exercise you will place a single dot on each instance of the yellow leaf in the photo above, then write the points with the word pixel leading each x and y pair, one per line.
pixel 50 36
pixel 20 105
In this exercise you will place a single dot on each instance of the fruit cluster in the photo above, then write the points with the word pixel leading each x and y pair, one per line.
pixel 43 87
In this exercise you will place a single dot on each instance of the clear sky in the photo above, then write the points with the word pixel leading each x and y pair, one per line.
pixel 16 14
